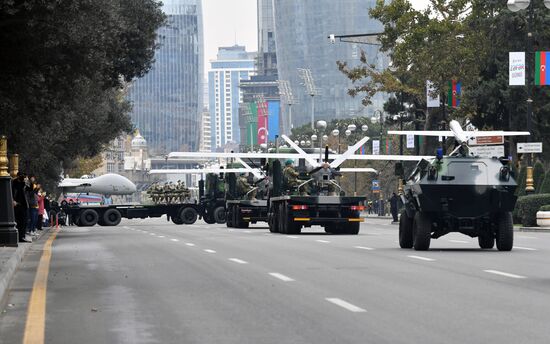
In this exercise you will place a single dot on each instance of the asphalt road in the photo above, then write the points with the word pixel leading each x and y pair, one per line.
pixel 149 281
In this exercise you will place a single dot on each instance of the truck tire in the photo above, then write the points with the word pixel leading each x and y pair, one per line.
pixel 290 227
pixel 486 239
pixel 422 229
pixel 111 217
pixel 88 218
pixel 405 230
pixel 219 215
pixel 229 217
pixel 188 215
pixel 505 232
pixel 209 219
pixel 352 228
pixel 176 220
pixel 272 220
pixel 281 218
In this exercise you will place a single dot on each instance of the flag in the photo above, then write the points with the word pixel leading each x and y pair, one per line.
pixel 362 150
pixel 453 97
pixel 262 122
pixel 542 74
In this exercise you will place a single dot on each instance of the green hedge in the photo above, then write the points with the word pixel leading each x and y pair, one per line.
pixel 520 191
pixel 527 207
pixel 545 208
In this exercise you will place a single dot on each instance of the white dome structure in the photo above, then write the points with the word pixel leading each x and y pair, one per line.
pixel 139 141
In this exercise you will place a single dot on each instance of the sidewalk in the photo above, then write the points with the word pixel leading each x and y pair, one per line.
pixel 11 258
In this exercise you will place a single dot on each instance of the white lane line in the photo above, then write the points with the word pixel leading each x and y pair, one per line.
pixel 344 304
pixel 459 241
pixel 209 251
pixel 152 234
pixel 238 261
pixel 174 239
pixel 323 241
pixel 524 248
pixel 247 231
pixel 292 237
pixel 506 274
pixel 364 248
pixel 422 258
pixel 189 244
pixel 161 236
pixel 281 277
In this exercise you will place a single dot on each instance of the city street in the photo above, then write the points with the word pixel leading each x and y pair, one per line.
pixel 149 281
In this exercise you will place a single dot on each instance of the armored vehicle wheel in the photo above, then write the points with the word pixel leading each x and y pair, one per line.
pixel 219 215
pixel 405 230
pixel 177 220
pixel 112 217
pixel 189 215
pixel 209 219
pixel 505 232
pixel 422 229
pixel 88 218
pixel 486 240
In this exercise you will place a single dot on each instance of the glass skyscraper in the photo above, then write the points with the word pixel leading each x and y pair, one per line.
pixel 301 35
pixel 167 101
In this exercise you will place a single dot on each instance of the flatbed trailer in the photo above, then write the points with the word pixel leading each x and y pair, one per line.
pixel 241 213
pixel 337 214
pixel 111 215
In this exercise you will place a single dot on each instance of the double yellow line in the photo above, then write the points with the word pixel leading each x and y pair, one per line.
pixel 35 326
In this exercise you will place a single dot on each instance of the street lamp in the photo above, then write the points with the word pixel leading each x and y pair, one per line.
pixel 515 6
pixel 311 88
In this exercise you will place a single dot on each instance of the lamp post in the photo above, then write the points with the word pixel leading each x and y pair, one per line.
pixel 312 90
pixel 515 6
pixel 348 131
pixel 8 232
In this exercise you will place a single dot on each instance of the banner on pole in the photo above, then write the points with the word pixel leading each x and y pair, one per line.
pixel 376 147
pixel 431 101
pixel 410 141
pixel 542 72
pixel 517 68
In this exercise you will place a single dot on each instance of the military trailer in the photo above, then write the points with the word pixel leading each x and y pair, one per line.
pixel 311 200
pixel 211 198
pixel 246 200
pixel 470 195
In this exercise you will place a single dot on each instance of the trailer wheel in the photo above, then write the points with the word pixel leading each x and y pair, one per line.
pixel 353 228
pixel 505 233
pixel 405 230
pixel 281 218
pixel 422 230
pixel 88 218
pixel 112 217
pixel 229 216
pixel 189 215
pixel 238 223
pixel 209 219
pixel 219 215
pixel 290 227
pixel 272 220
pixel 176 220
pixel 486 238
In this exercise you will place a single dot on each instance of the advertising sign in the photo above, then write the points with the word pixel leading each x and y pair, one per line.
pixel 375 147
pixel 410 141
pixel 517 68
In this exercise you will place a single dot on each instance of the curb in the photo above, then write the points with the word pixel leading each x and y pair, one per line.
pixel 10 268
pixel 533 229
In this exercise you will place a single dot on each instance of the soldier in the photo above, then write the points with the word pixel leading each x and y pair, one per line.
pixel 244 187
pixel 291 176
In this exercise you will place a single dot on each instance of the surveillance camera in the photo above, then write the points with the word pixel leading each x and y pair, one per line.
pixel 332 39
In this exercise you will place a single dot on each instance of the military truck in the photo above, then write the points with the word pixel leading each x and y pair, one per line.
pixel 470 195
pixel 316 200
pixel 245 199
pixel 212 198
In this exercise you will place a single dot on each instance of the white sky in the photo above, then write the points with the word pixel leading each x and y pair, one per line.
pixel 227 22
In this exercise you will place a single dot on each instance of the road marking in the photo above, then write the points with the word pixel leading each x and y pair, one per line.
pixel 459 241
pixel 36 314
pixel 161 236
pixel 247 231
pixel 174 239
pixel 152 234
pixel 344 304
pixel 209 251
pixel 506 274
pixel 144 232
pixel 525 248
pixel 364 248
pixel 422 258
pixel 189 244
pixel 281 277
pixel 292 236
pixel 323 241
pixel 238 261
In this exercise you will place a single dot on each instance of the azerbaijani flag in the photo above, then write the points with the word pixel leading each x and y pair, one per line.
pixel 454 94
pixel 542 73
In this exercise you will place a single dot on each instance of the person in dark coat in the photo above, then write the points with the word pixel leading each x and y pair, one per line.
pixel 394 206
pixel 20 205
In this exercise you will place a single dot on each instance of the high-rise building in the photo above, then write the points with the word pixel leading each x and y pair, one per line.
pixel 302 29
pixel 232 65
pixel 206 132
pixel 167 101
pixel 267 56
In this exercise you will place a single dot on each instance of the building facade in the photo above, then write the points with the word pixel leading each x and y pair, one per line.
pixel 302 30
pixel 206 132
pixel 267 56
pixel 232 65
pixel 167 101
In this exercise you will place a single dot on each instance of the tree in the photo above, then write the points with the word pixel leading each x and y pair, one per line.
pixel 520 190
pixel 545 187
pixel 538 175
pixel 63 70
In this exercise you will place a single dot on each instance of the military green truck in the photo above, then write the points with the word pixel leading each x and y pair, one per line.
pixel 212 198
pixel 316 199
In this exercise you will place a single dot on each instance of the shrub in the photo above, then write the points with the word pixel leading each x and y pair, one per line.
pixel 520 191
pixel 538 175
pixel 527 207
pixel 545 208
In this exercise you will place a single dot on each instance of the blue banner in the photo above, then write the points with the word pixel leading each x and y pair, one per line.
pixel 273 110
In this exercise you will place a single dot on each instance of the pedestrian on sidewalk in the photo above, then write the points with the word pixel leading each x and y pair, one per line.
pixel 32 199
pixel 20 205
pixel 41 196
pixel 394 205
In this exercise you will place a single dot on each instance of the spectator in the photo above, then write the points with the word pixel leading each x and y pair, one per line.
pixel 41 195
pixel 32 199
pixel 394 206
pixel 47 207
pixel 20 205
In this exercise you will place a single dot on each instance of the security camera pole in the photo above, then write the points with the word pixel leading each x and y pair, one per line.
pixel 362 38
